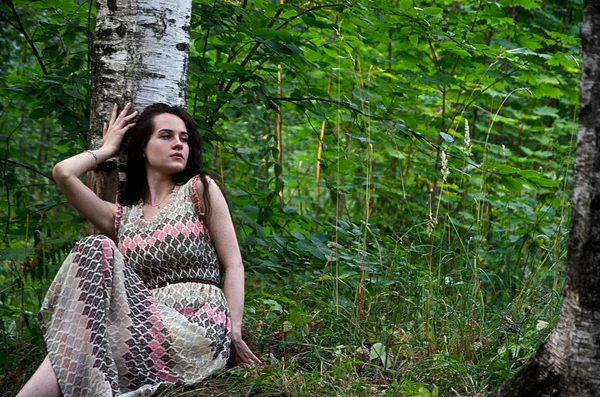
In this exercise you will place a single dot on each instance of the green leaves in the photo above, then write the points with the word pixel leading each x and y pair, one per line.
pixel 528 4
pixel 380 353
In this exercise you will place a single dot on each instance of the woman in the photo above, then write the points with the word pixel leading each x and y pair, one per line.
pixel 124 319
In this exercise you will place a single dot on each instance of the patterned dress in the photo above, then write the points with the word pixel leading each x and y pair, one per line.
pixel 122 320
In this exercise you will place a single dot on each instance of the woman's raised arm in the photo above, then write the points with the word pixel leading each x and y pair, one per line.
pixel 67 172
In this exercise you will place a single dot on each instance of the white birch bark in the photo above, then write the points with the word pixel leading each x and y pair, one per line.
pixel 139 55
pixel 568 364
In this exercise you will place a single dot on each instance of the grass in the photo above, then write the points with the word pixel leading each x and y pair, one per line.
pixel 335 353
pixel 310 347
pixel 423 315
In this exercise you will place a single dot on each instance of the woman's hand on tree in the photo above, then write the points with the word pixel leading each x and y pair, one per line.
pixel 241 354
pixel 114 131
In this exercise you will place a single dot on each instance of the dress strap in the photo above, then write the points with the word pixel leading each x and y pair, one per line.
pixel 118 216
pixel 196 196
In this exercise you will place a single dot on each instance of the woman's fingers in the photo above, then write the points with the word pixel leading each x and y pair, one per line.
pixel 253 359
pixel 113 115
pixel 244 356
pixel 118 125
pixel 124 111
pixel 129 117
pixel 118 120
pixel 256 359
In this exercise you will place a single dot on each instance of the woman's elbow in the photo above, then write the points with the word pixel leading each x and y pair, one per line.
pixel 234 267
pixel 59 173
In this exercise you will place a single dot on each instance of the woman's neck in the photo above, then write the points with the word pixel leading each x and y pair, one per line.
pixel 159 186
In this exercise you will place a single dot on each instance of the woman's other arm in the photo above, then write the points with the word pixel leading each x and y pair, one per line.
pixel 67 172
pixel 222 233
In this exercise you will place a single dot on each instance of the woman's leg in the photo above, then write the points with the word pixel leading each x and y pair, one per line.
pixel 42 383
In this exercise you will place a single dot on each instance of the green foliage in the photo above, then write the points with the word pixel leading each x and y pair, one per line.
pixel 407 234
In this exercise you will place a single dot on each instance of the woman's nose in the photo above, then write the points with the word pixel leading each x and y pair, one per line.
pixel 177 143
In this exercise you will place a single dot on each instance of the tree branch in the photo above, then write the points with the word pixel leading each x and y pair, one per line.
pixel 24 32
pixel 30 168
pixel 247 58
pixel 299 99
pixel 305 12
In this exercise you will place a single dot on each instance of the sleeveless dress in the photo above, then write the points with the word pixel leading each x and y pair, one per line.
pixel 123 320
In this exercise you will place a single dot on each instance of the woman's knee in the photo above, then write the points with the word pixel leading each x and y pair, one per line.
pixel 95 249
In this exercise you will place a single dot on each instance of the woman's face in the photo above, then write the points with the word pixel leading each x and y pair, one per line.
pixel 167 149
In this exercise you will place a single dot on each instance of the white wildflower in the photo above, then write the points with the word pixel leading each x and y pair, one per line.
pixel 445 170
pixel 432 222
pixel 467 139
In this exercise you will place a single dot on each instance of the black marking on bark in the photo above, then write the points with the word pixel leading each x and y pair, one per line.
pixel 586 278
pixel 186 28
pixel 182 46
pixel 172 20
pixel 112 5
pixel 153 75
pixel 158 28
pixel 121 30
pixel 595 205
pixel 108 72
pixel 102 34
pixel 106 49
pixel 593 246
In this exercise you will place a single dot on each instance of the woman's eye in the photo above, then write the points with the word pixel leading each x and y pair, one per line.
pixel 166 137
pixel 184 139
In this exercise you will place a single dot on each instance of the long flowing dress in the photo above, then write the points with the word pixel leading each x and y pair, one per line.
pixel 120 320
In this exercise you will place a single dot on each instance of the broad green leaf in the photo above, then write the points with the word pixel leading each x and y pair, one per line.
pixel 546 90
pixel 440 79
pixel 396 153
pixel 432 11
pixel 278 48
pixel 317 23
pixel 379 351
pixel 543 182
pixel 546 111
pixel 75 95
pixel 528 4
pixel 284 36
pixel 414 39
pixel 405 5
pixel 512 184
pixel 506 170
pixel 521 51
pixel 16 254
pixel 447 137
pixel 265 33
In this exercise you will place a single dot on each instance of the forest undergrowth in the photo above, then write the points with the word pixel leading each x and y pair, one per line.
pixel 393 322
pixel 444 308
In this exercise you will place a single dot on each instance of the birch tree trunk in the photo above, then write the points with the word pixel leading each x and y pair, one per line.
pixel 568 364
pixel 140 55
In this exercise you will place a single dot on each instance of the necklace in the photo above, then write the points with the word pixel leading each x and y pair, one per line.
pixel 157 205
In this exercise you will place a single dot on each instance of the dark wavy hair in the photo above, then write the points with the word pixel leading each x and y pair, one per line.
pixel 136 185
